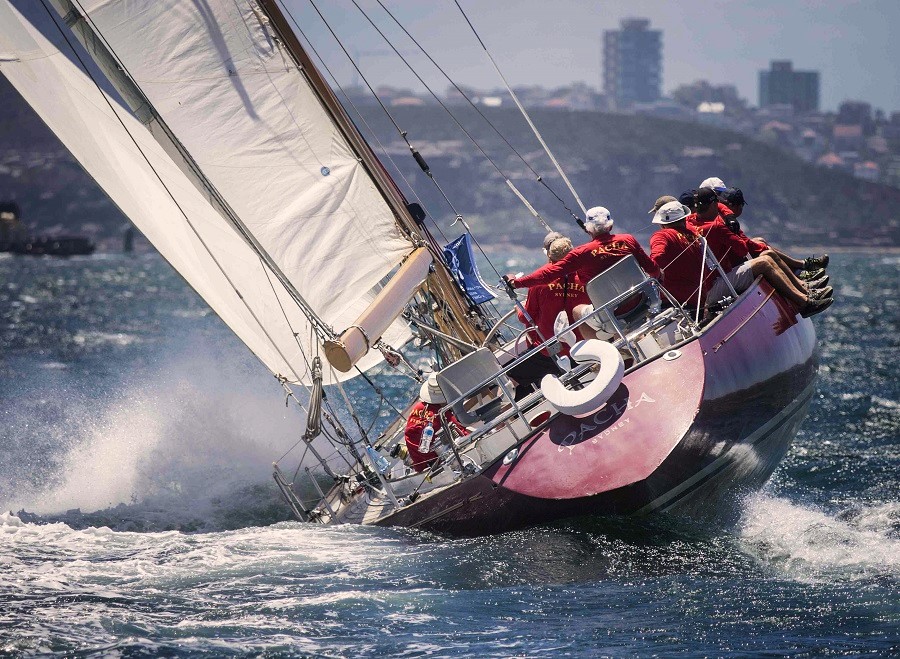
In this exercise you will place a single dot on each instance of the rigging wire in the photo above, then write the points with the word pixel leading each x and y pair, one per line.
pixel 524 113
pixel 538 177
pixel 362 118
pixel 478 146
pixel 377 390
pixel 171 195
pixel 403 134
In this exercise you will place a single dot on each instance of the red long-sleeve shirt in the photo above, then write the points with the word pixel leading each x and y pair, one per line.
pixel 756 247
pixel 729 248
pixel 679 255
pixel 419 417
pixel 589 260
pixel 724 211
pixel 545 301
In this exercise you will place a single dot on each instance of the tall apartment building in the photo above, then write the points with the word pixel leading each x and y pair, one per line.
pixel 632 63
pixel 781 85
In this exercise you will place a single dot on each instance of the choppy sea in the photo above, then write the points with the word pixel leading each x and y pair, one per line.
pixel 138 516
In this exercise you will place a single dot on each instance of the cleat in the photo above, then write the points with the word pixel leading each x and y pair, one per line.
pixel 815 262
pixel 813 307
pixel 820 293
pixel 811 274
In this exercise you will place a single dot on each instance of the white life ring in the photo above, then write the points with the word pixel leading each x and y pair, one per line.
pixel 584 402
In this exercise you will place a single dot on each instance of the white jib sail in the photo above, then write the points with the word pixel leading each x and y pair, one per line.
pixel 232 95
pixel 179 220
pixel 257 132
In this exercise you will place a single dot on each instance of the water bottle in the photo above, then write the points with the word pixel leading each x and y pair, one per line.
pixel 427 436
pixel 381 463
pixel 655 298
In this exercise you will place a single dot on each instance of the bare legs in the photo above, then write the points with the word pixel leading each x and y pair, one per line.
pixel 784 262
pixel 774 273
pixel 584 329
pixel 789 261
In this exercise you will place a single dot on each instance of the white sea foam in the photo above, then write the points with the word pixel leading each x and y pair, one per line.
pixel 884 402
pixel 171 561
pixel 807 543
pixel 196 431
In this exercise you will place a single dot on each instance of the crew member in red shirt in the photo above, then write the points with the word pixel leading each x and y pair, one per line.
pixel 729 248
pixel 542 306
pixel 425 411
pixel 728 215
pixel 722 243
pixel 679 255
pixel 589 260
pixel 545 301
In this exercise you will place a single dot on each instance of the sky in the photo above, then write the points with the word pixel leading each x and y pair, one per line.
pixel 552 43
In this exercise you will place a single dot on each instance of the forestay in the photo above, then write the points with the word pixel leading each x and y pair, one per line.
pixel 221 83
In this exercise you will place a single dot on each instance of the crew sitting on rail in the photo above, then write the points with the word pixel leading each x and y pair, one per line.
pixel 545 302
pixel 680 256
pixel 732 250
pixel 732 200
pixel 423 414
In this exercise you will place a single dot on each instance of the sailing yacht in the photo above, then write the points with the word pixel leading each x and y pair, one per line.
pixel 212 128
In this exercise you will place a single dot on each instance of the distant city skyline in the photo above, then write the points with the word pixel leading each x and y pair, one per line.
pixel 725 42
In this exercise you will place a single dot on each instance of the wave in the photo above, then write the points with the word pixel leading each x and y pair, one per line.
pixel 807 543
pixel 190 446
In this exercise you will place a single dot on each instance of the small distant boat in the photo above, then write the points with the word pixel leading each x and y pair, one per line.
pixel 226 146
pixel 14 237
pixel 51 246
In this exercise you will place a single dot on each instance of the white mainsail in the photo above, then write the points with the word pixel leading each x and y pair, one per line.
pixel 218 78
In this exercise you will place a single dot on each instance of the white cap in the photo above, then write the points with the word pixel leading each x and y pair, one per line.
pixel 430 392
pixel 671 212
pixel 713 182
pixel 600 218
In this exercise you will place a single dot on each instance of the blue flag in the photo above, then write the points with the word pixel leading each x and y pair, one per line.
pixel 461 261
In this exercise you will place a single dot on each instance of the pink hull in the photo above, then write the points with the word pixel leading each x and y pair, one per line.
pixel 682 434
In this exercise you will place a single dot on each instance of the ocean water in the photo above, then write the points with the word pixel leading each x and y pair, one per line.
pixel 138 516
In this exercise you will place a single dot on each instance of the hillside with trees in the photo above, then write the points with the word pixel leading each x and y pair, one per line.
pixel 623 162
